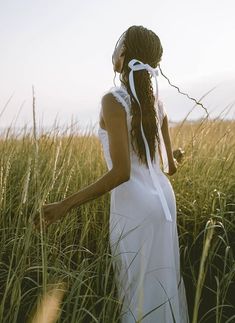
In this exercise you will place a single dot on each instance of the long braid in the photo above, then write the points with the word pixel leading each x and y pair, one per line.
pixel 144 45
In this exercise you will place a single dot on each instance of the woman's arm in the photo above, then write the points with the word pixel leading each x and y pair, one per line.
pixel 114 116
pixel 167 142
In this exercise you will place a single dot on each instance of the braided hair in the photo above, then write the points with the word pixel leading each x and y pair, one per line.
pixel 144 45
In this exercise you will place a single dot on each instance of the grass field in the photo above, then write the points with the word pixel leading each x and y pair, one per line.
pixel 75 251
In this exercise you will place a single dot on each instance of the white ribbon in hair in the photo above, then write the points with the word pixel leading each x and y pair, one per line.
pixel 155 180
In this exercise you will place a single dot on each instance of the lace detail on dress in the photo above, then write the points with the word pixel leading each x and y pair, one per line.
pixel 122 96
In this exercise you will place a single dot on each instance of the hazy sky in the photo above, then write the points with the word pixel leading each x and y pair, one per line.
pixel 64 49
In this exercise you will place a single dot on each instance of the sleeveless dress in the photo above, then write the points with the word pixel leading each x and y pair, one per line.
pixel 144 244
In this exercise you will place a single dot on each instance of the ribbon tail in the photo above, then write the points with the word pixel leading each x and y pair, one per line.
pixel 162 197
pixel 150 166
pixel 156 184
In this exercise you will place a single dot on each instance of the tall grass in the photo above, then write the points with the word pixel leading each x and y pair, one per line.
pixel 38 167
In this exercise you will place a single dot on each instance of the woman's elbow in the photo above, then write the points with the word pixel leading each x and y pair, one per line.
pixel 126 178
pixel 122 175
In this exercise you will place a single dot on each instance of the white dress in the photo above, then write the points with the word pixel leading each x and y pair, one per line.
pixel 144 244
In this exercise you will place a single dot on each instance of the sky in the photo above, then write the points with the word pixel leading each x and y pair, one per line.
pixel 63 49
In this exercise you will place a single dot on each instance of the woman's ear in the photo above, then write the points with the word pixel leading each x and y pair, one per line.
pixel 123 50
pixel 121 59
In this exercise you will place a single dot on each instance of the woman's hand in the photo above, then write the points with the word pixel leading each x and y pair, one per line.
pixel 179 154
pixel 172 167
pixel 51 212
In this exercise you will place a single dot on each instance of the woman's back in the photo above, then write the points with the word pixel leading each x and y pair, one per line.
pixel 123 97
pixel 144 237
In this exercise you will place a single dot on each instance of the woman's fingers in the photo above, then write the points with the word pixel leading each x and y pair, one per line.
pixel 45 217
pixel 50 213
pixel 179 154
pixel 36 224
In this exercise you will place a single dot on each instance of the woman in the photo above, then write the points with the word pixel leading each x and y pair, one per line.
pixel 143 230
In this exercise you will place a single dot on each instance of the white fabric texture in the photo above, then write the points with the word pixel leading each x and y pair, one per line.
pixel 143 242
